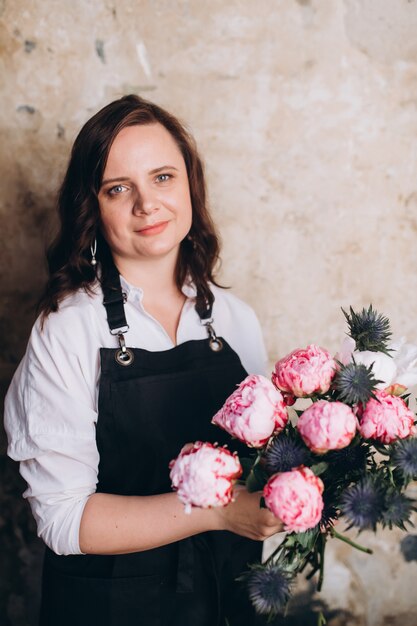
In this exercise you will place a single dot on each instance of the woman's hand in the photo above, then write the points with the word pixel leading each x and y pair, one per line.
pixel 245 517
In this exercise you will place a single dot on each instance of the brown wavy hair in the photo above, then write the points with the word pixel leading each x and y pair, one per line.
pixel 69 256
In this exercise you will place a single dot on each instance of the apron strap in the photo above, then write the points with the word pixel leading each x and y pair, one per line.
pixel 114 303
pixel 206 314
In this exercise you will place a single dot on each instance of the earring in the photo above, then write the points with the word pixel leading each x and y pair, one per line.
pixel 93 250
pixel 191 240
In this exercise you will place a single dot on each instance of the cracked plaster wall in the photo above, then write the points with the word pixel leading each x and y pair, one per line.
pixel 306 114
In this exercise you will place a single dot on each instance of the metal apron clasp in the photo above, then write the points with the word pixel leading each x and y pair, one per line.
pixel 215 343
pixel 123 356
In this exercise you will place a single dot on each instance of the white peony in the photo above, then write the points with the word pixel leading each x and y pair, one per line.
pixel 398 369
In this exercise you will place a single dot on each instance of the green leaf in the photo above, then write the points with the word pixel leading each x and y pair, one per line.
pixel 246 464
pixel 290 540
pixel 304 541
pixel 319 468
pixel 406 398
pixel 308 538
pixel 256 479
pixel 381 448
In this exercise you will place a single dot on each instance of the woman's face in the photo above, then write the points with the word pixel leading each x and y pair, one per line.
pixel 144 198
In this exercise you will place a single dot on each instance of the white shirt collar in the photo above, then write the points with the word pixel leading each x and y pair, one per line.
pixel 135 294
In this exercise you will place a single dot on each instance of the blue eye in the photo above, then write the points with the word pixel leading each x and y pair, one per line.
pixel 162 178
pixel 114 191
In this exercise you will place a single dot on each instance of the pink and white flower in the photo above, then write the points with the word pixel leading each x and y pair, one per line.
pixel 386 419
pixel 327 426
pixel 295 497
pixel 203 475
pixel 304 372
pixel 254 412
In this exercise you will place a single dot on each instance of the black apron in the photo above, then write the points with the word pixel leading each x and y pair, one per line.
pixel 150 404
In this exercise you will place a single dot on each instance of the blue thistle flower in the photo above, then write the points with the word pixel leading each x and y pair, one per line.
pixel 398 510
pixel 329 515
pixel 351 459
pixel 269 588
pixel 404 457
pixel 285 453
pixel 363 503
pixel 370 330
pixel 355 382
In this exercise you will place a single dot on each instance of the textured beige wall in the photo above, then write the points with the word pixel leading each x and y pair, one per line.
pixel 306 114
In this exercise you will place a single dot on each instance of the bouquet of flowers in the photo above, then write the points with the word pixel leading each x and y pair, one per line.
pixel 351 452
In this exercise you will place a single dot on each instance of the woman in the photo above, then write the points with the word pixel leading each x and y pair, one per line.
pixel 123 368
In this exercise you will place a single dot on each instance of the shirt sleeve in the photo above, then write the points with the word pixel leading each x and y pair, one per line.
pixel 50 418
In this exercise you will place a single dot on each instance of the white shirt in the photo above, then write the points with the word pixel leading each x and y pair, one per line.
pixel 51 404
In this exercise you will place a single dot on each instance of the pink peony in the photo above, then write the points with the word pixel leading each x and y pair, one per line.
pixel 327 426
pixel 386 419
pixel 305 371
pixel 295 498
pixel 254 412
pixel 203 475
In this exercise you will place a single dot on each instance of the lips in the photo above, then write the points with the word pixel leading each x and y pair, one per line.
pixel 153 229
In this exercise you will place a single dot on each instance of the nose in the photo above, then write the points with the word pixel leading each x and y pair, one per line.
pixel 145 202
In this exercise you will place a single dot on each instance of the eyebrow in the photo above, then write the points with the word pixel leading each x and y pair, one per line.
pixel 114 180
pixel 151 172
pixel 164 167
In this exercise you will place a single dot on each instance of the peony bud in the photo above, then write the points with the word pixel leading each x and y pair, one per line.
pixel 327 426
pixel 295 498
pixel 386 419
pixel 254 412
pixel 203 475
pixel 305 372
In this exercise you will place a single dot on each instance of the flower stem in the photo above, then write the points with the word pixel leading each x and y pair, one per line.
pixel 334 533
pixel 321 574
pixel 273 554
pixel 321 620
